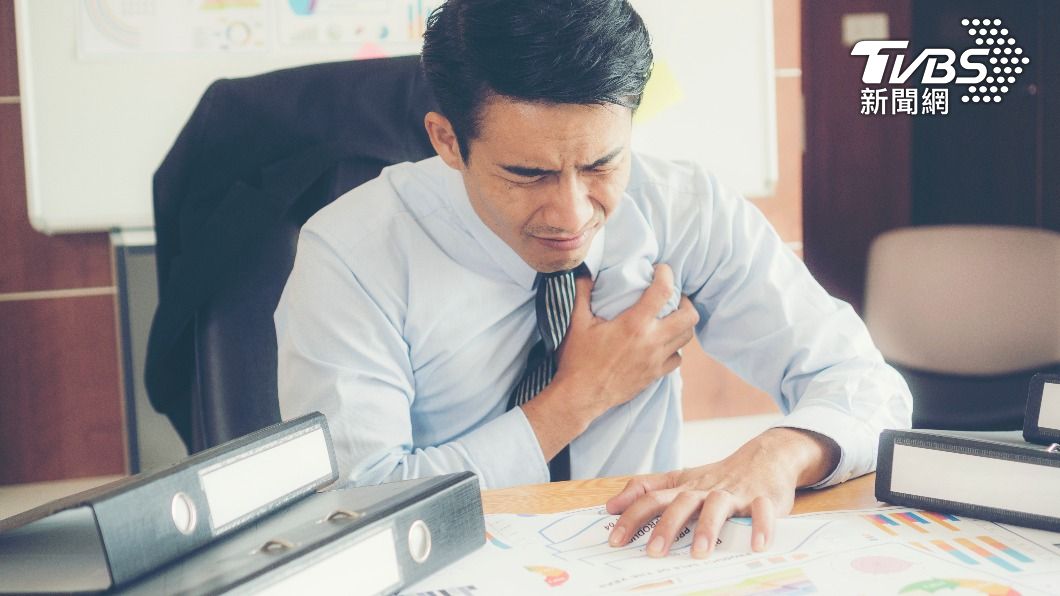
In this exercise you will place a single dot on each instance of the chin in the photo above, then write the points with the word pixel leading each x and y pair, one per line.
pixel 557 263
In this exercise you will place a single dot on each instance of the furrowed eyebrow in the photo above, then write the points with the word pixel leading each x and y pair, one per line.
pixel 603 161
pixel 528 172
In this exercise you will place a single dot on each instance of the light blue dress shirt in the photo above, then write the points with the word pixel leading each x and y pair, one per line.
pixel 408 322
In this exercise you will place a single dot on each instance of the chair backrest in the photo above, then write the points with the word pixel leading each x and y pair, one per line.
pixel 212 369
pixel 235 389
pixel 967 314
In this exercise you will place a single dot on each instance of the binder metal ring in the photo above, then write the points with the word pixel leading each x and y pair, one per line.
pixel 276 545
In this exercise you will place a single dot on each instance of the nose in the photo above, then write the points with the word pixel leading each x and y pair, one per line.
pixel 569 207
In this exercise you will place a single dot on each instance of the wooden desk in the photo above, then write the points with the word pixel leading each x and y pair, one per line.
pixel 537 498
pixel 561 496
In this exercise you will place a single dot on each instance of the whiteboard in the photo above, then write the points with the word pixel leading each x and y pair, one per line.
pixel 99 112
pixel 714 67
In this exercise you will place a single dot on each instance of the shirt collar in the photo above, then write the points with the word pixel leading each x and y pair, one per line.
pixel 506 259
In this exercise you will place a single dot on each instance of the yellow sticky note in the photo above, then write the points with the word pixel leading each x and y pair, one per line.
pixel 662 91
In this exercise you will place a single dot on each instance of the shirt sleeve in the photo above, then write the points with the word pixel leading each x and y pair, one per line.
pixel 341 352
pixel 764 316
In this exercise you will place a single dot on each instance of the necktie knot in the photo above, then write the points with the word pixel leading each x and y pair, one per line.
pixel 555 301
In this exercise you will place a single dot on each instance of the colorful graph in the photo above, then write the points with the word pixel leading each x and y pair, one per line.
pixel 303 7
pixel 955 552
pixel 553 576
pixel 918 521
pixel 948 585
pixel 778 559
pixel 988 555
pixel 1008 550
pixel 987 549
pixel 110 24
pixel 786 582
pixel 496 542
pixel 418 11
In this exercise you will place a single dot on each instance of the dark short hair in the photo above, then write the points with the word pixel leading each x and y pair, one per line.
pixel 557 51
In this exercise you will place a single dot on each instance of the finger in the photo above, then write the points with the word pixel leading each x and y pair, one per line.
pixel 635 521
pixel 635 488
pixel 681 320
pixel 583 290
pixel 763 521
pixel 656 295
pixel 717 507
pixel 673 520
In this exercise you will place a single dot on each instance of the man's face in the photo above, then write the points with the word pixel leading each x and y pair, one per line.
pixel 545 176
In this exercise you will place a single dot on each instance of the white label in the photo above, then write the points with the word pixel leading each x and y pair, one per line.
pixel 975 480
pixel 1049 416
pixel 367 567
pixel 234 489
pixel 860 26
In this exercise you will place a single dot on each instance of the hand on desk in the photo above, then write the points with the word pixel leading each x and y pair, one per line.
pixel 758 480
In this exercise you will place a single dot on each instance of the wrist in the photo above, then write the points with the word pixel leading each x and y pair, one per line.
pixel 554 418
pixel 560 402
pixel 578 397
pixel 811 455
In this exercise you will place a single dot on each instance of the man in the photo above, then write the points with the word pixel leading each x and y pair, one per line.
pixel 516 305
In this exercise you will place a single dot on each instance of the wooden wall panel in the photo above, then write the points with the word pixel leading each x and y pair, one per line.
pixel 1049 65
pixel 979 164
pixel 60 397
pixel 857 168
pixel 33 261
pixel 8 62
pixel 60 388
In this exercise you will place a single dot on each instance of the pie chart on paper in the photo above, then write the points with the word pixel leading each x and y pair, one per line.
pixel 303 7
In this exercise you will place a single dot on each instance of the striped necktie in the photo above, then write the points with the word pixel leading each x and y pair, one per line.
pixel 555 301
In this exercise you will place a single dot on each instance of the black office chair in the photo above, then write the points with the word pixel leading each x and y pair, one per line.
pixel 257 158
pixel 967 314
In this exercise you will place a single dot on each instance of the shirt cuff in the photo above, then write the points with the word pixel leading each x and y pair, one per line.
pixel 857 452
pixel 506 451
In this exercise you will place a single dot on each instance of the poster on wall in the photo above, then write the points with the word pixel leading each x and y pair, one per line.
pixel 361 28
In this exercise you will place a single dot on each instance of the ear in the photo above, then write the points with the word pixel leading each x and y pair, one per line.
pixel 443 138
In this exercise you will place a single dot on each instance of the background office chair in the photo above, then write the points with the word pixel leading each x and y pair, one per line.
pixel 256 159
pixel 967 314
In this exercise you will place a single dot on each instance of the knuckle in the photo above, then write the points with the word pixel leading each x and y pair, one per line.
pixel 688 497
pixel 655 499
pixel 693 316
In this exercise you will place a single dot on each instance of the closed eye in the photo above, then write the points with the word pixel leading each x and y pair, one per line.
pixel 526 181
